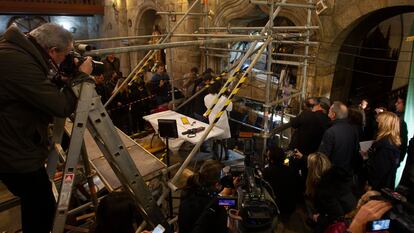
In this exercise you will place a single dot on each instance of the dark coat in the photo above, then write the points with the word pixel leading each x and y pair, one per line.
pixel 28 100
pixel 341 144
pixel 333 194
pixel 382 164
pixel 285 183
pixel 195 203
pixel 310 127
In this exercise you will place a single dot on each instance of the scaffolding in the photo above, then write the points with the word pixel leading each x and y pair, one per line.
pixel 263 42
pixel 275 34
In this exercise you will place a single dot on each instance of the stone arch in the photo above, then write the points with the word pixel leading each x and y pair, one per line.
pixel 143 24
pixel 335 29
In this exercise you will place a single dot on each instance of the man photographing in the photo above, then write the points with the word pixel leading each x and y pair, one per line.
pixel 29 100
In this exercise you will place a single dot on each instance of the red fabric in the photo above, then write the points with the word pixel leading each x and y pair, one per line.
pixel 160 108
pixel 338 227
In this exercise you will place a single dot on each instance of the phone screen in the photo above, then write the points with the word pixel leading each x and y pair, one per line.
pixel 158 229
pixel 379 225
pixel 231 202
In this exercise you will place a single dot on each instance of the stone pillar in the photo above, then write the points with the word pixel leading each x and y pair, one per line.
pixel 123 31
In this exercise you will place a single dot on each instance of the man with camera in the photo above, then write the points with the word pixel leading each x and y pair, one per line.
pixel 30 97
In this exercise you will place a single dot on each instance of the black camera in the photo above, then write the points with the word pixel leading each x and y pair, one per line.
pixel 69 67
pixel 400 216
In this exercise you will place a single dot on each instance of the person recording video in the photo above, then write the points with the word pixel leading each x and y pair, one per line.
pixel 30 99
pixel 199 211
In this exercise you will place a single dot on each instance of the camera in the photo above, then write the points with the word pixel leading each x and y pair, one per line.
pixel 400 217
pixel 69 68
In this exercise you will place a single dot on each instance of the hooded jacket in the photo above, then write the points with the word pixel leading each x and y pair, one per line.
pixel 28 101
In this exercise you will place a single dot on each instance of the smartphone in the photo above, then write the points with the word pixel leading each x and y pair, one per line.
pixel 379 225
pixel 158 229
pixel 185 120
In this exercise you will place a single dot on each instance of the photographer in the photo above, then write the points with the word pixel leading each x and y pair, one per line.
pixel 29 101
pixel 199 211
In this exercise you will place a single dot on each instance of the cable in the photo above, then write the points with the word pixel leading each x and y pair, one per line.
pixel 363 72
pixel 362 47
pixel 367 57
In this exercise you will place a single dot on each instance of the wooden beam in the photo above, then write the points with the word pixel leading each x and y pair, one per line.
pixel 410 38
pixel 16 7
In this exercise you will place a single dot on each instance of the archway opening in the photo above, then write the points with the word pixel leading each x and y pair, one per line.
pixel 148 24
pixel 372 61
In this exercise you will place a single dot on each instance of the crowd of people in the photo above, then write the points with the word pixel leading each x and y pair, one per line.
pixel 329 172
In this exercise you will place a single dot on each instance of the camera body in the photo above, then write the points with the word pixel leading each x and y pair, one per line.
pixel 256 206
pixel 69 67
pixel 399 219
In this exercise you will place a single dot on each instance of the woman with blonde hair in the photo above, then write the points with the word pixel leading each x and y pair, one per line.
pixel 384 154
pixel 318 164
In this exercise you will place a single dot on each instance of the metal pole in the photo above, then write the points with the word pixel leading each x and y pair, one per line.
pixel 265 53
pixel 170 68
pixel 171 44
pixel 118 38
pixel 259 28
pixel 305 62
pixel 306 42
pixel 171 184
pixel 205 9
pixel 268 86
pixel 148 56
pixel 245 124
pixel 152 36
pixel 178 13
pixel 309 6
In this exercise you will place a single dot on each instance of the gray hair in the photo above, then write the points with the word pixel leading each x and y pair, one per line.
pixel 340 110
pixel 51 35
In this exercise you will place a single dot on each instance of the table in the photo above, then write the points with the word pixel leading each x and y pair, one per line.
pixel 175 144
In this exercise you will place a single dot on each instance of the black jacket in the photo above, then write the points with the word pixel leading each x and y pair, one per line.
pixel 333 197
pixel 285 183
pixel 341 144
pixel 200 213
pixel 310 127
pixel 382 164
pixel 28 101
pixel 333 193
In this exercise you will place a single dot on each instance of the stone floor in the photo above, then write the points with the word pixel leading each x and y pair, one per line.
pixel 10 219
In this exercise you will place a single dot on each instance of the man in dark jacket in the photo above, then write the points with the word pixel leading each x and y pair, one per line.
pixel 340 142
pixel 29 100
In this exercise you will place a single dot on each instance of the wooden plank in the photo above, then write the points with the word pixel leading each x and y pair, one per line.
pixel 17 7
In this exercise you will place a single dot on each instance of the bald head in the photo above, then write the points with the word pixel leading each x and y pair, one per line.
pixel 338 110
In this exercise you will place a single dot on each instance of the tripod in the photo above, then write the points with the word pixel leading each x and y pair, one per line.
pixel 91 114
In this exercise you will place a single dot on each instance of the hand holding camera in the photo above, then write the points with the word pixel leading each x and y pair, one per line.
pixel 86 66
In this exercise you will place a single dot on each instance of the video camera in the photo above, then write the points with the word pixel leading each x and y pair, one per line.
pixel 400 218
pixel 69 67
pixel 256 206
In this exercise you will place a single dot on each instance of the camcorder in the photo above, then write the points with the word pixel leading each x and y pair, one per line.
pixel 400 219
pixel 256 206
pixel 69 67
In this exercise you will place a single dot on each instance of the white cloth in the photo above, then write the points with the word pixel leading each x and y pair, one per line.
pixel 223 123
pixel 175 144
